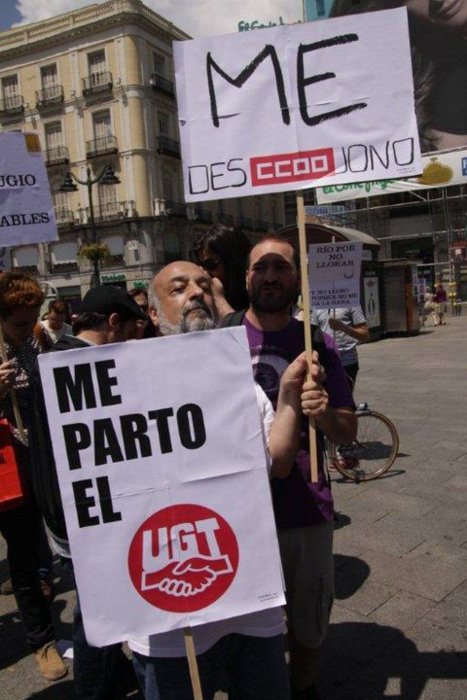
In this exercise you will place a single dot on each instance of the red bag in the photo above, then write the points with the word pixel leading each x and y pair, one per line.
pixel 12 492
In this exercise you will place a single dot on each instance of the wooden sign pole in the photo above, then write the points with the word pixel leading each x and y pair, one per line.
pixel 193 664
pixel 307 322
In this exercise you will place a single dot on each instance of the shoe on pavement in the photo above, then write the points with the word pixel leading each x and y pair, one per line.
pixel 6 588
pixel 49 662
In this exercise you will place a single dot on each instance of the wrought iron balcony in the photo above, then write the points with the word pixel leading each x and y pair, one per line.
pixel 245 222
pixel 97 83
pixel 49 96
pixel 175 208
pixel 168 147
pixel 64 217
pixel 11 106
pixel 57 155
pixel 104 145
pixel 112 261
pixel 161 84
pixel 261 225
pixel 30 270
pixel 64 267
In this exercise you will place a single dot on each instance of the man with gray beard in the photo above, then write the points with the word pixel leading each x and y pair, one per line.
pixel 246 652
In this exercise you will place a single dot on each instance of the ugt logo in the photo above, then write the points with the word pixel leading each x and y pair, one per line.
pixel 183 558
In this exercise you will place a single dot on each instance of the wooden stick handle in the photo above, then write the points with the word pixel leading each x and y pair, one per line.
pixel 307 323
pixel 193 664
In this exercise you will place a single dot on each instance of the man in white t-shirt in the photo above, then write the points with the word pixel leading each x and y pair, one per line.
pixel 348 327
pixel 55 325
pixel 247 651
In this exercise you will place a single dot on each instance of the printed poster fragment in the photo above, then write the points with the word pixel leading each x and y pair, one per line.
pixel 334 274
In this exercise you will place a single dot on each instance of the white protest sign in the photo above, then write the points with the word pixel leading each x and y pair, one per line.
pixel 297 106
pixel 161 465
pixel 26 208
pixel 334 273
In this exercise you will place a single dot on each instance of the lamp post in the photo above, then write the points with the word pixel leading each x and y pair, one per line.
pixel 106 177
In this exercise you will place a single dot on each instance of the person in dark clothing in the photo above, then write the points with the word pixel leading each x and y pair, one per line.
pixel 108 315
pixel 20 302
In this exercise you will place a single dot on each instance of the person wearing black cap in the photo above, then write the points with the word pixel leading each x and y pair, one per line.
pixel 108 315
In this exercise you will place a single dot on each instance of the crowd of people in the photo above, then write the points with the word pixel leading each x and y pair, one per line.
pixel 256 286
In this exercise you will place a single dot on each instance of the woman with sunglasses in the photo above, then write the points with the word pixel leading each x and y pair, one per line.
pixel 223 252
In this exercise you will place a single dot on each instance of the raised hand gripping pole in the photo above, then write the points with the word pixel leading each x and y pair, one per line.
pixel 307 323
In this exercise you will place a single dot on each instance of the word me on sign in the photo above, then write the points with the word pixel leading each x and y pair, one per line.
pixel 168 514
pixel 296 106
pixel 334 273
pixel 26 207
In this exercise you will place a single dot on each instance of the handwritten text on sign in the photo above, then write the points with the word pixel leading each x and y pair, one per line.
pixel 144 463
pixel 26 208
pixel 334 272
pixel 290 106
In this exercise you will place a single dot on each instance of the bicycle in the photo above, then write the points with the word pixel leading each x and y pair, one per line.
pixel 373 451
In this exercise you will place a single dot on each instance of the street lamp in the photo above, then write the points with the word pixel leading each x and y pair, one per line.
pixel 106 177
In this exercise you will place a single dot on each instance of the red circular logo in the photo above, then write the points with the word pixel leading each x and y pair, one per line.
pixel 183 558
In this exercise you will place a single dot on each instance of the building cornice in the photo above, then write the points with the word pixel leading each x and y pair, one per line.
pixel 23 40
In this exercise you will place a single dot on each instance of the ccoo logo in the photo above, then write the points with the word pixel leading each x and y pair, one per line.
pixel 183 558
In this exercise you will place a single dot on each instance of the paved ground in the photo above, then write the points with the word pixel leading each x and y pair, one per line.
pixel 399 626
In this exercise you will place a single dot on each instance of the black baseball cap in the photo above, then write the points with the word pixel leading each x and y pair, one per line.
pixel 107 300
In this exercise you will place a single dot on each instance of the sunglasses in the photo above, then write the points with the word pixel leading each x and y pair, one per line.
pixel 209 263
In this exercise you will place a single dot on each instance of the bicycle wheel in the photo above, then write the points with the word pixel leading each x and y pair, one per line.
pixel 373 451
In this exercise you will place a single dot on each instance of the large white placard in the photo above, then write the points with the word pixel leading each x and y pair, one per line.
pixel 26 208
pixel 296 106
pixel 161 464
pixel 334 273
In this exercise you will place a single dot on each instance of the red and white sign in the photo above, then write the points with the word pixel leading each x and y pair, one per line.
pixel 183 558
pixel 163 476
pixel 317 103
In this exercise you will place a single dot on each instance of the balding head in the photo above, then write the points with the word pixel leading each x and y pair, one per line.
pixel 181 299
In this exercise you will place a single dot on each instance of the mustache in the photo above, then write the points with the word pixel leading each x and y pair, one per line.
pixel 194 306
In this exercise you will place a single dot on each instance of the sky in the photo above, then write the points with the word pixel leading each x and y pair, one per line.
pixel 196 17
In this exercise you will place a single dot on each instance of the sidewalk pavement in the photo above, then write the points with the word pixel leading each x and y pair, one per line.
pixel 399 624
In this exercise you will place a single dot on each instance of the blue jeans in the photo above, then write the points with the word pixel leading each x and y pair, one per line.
pixel 253 667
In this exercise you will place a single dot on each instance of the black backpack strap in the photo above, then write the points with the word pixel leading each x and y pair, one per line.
pixel 233 319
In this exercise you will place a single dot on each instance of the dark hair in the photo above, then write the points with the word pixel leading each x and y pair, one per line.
pixel 232 246
pixel 137 291
pixel 59 306
pixel 90 320
pixel 18 291
pixel 276 237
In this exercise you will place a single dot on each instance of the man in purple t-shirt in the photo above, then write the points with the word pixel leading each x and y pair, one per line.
pixel 304 511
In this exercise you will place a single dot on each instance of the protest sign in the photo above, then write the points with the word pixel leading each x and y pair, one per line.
pixel 440 170
pixel 296 106
pixel 164 482
pixel 26 208
pixel 334 272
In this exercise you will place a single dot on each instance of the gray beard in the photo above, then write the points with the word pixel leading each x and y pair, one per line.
pixel 186 325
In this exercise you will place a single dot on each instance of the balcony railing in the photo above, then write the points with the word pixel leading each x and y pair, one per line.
pixel 97 83
pixel 175 208
pixel 113 261
pixel 64 217
pixel 49 96
pixel 107 210
pixel 161 84
pixel 30 270
pixel 104 145
pixel 65 267
pixel 169 147
pixel 57 156
pixel 11 106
